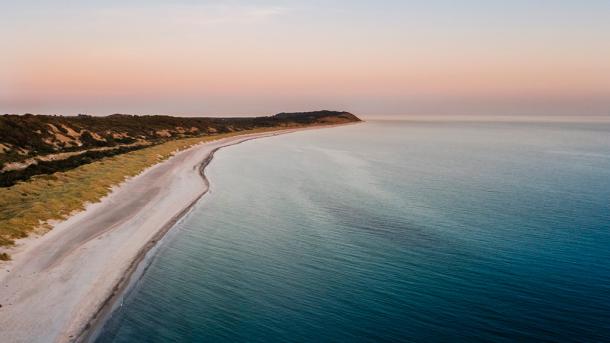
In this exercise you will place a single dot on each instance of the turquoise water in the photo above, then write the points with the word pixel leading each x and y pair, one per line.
pixel 390 231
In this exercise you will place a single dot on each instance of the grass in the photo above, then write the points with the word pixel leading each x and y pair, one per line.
pixel 28 206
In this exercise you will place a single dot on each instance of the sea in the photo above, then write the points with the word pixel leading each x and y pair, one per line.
pixel 390 231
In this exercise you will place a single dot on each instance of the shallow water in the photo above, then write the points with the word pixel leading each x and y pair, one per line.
pixel 390 231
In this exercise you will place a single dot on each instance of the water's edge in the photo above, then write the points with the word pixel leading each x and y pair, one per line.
pixel 141 262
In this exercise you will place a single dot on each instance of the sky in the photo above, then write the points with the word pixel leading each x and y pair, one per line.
pixel 373 58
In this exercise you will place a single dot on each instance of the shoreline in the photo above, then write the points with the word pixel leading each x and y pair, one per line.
pixel 111 240
pixel 93 328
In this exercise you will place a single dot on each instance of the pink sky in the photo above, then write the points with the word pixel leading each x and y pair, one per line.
pixel 210 59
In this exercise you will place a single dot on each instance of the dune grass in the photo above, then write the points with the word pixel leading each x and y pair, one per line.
pixel 29 206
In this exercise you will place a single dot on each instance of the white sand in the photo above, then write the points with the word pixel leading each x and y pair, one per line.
pixel 57 283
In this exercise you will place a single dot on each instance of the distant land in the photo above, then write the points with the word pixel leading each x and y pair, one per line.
pixel 43 144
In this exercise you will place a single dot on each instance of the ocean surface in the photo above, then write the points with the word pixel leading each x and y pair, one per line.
pixel 390 231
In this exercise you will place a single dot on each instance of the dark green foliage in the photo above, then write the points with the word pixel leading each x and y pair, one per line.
pixel 88 141
pixel 9 178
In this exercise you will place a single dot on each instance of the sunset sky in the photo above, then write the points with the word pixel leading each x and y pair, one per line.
pixel 261 57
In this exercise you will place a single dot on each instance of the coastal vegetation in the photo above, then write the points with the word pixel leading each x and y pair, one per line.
pixel 37 144
pixel 32 205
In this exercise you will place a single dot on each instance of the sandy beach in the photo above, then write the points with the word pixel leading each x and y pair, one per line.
pixel 61 285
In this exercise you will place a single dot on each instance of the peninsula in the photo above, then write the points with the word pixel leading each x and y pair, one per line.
pixel 85 199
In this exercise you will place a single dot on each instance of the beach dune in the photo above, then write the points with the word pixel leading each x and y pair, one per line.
pixel 60 286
